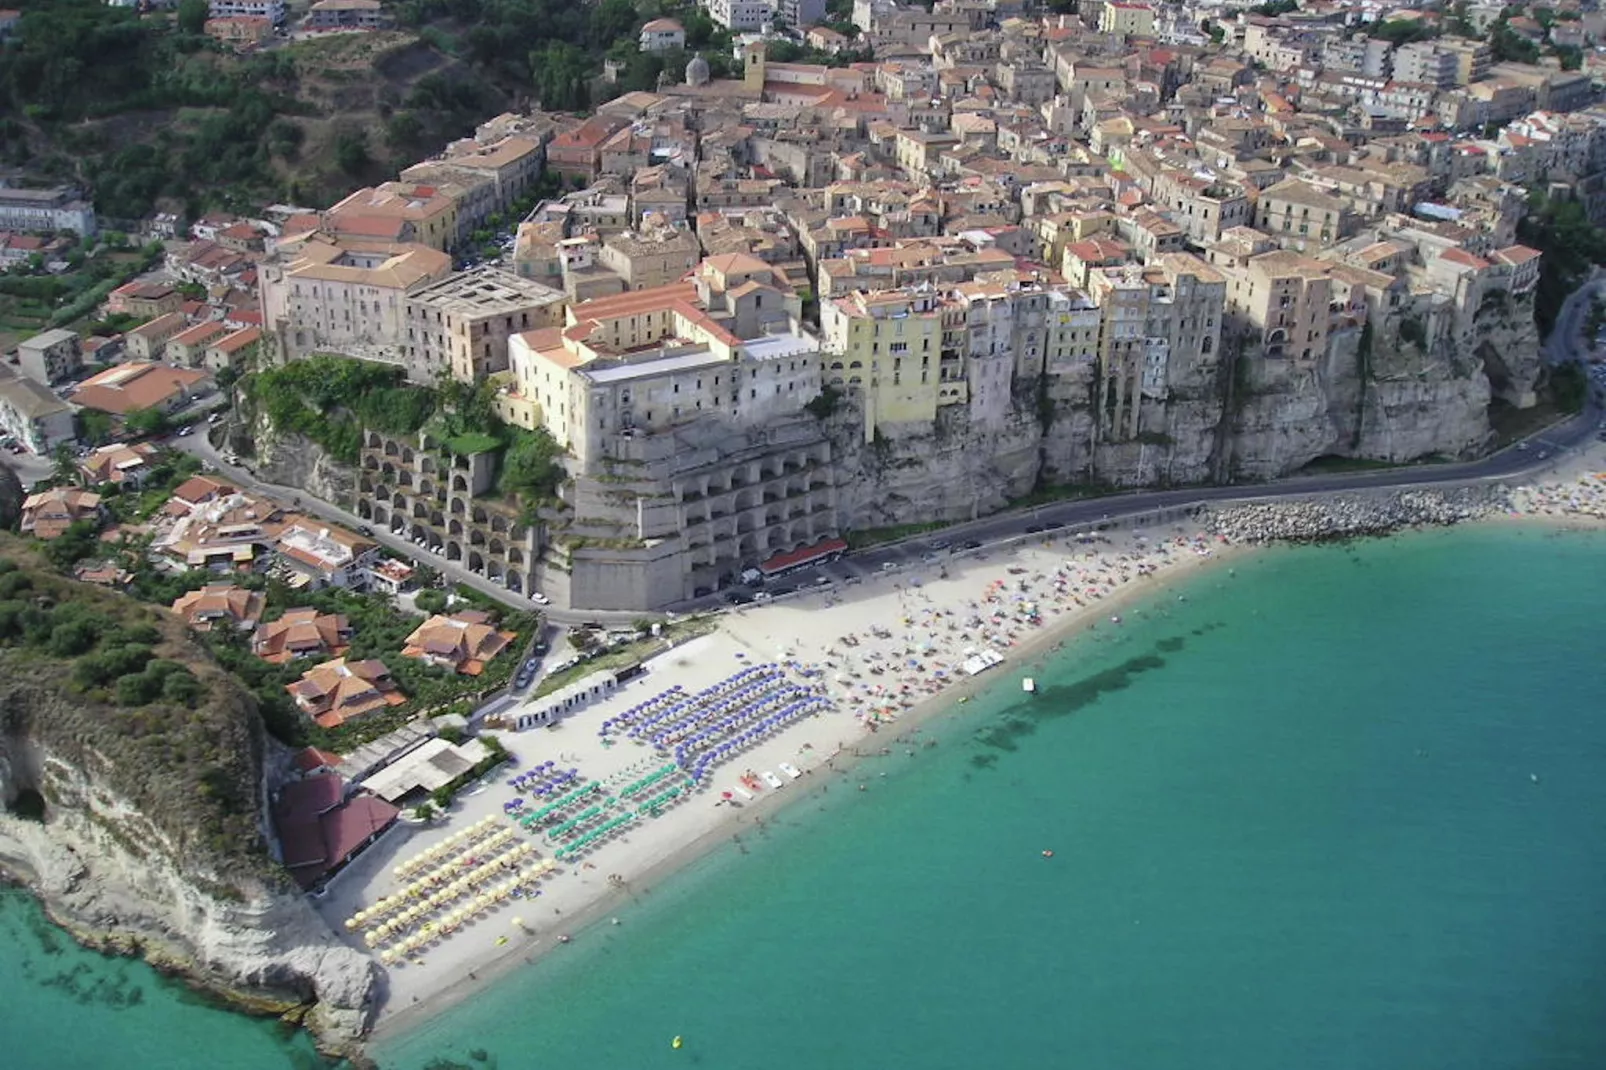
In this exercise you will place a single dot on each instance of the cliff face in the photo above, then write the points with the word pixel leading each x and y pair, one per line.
pixel 293 460
pixel 1249 418
pixel 141 827
pixel 106 874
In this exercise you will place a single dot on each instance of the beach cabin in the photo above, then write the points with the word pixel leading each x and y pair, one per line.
pixel 552 708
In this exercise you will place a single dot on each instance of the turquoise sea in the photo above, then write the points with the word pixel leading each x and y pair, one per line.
pixel 1341 807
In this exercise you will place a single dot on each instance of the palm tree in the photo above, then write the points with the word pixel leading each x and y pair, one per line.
pixel 66 471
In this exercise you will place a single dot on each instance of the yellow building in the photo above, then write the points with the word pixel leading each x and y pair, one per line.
pixel 1128 20
pixel 396 212
pixel 889 346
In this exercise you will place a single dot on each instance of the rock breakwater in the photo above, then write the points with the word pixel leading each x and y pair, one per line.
pixel 1348 517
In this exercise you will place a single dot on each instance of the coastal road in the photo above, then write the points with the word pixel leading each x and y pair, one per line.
pixel 1566 341
pixel 1528 457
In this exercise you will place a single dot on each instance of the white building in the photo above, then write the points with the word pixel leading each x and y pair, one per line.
pixel 740 14
pixel 661 35
pixel 46 209
pixel 272 10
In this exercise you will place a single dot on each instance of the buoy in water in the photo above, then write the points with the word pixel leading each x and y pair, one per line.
pixel 676 1043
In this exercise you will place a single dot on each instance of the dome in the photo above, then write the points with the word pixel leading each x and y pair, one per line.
pixel 697 70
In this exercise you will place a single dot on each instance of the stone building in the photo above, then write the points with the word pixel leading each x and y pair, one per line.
pixel 413 486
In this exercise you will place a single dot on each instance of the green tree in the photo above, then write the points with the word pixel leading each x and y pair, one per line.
pixel 95 427
pixel 64 467
pixel 147 422
pixel 192 15
pixel 351 153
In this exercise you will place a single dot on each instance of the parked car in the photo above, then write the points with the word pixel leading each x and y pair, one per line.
pixel 1033 529
pixel 186 431
pixel 970 544
pixel 739 598
pixel 540 599
pixel 366 531
pixel 1053 525
pixel 531 664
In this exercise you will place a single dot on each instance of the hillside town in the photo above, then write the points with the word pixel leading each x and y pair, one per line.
pixel 1015 251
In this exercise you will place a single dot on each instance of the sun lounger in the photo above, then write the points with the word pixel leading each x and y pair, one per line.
pixel 790 770
pixel 771 779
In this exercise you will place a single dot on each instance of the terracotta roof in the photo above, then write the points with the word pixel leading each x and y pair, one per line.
pixel 338 691
pixel 50 513
pixel 138 385
pixel 219 601
pixel 464 641
pixel 300 633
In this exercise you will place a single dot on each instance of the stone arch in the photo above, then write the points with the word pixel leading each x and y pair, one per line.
pixel 426 487
pixel 371 440
pixel 431 442
pixel 435 518
pixel 476 537
pixel 391 449
pixel 455 528
pixel 459 484
pixel 476 562
pixel 418 531
pixel 405 478
pixel 426 463
pixel 454 550
pixel 478 514
pixel 371 463
pixel 515 582
pixel 493 569
pixel 407 455
pixel 388 470
pixel 398 522
pixel 457 507
pixel 420 511
pixel 515 556
pixel 365 511
pixel 496 548
pixel 381 514
pixel 499 524
pixel 382 493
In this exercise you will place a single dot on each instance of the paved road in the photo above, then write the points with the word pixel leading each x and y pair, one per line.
pixel 1566 341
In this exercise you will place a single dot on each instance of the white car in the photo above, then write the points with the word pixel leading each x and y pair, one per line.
pixel 540 599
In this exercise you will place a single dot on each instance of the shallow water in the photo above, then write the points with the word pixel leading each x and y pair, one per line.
pixel 1338 808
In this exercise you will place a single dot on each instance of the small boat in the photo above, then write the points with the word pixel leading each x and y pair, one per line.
pixel 676 1043
pixel 743 792
pixel 771 779
pixel 790 770
pixel 1028 685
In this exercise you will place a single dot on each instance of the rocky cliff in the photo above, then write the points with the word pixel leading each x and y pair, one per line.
pixel 141 827
pixel 293 460
pixel 1249 418
pixel 1244 416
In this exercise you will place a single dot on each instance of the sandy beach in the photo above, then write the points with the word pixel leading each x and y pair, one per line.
pixel 885 653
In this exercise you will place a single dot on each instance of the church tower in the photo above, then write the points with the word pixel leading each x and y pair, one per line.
pixel 753 73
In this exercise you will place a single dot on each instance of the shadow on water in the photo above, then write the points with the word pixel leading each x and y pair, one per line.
pixel 1022 719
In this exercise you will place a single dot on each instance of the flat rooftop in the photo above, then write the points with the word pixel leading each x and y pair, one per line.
pixel 485 291
pixel 647 369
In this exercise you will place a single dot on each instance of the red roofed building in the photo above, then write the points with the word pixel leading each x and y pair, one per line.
pixel 339 691
pixel 320 830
